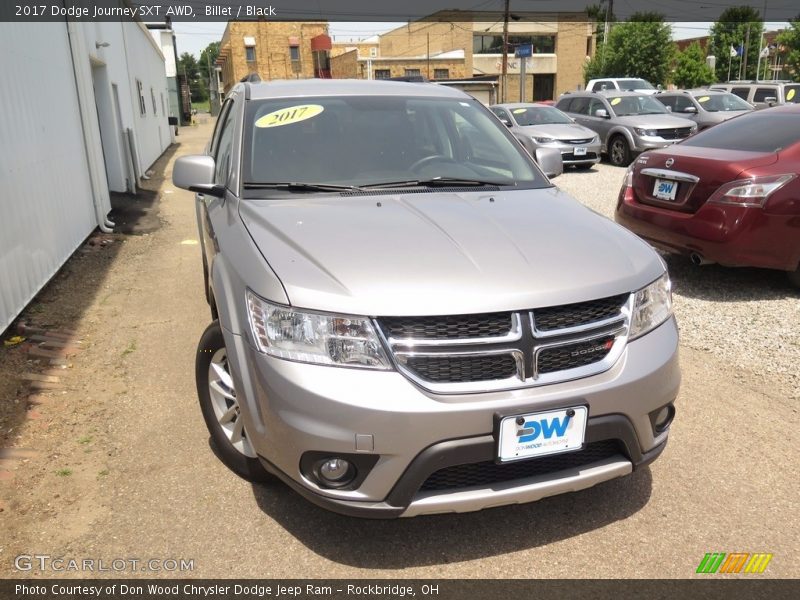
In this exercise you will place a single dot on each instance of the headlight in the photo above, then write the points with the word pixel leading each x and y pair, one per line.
pixel 645 132
pixel 544 140
pixel 305 336
pixel 651 306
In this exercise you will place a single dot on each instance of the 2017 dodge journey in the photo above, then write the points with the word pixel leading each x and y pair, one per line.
pixel 409 318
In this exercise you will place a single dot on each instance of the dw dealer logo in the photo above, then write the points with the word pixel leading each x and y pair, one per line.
pixel 735 562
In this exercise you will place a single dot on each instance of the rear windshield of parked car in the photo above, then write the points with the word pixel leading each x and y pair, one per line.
pixel 722 102
pixel 624 106
pixel 630 85
pixel 539 115
pixel 369 140
pixel 755 132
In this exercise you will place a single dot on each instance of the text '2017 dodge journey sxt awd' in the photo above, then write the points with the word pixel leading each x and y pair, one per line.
pixel 409 318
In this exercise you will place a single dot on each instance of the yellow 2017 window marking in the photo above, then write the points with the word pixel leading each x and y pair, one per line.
pixel 616 101
pixel 519 111
pixel 704 99
pixel 289 115
pixel 790 94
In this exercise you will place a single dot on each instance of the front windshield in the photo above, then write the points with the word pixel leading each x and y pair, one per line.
pixel 539 115
pixel 624 106
pixel 630 85
pixel 722 102
pixel 372 140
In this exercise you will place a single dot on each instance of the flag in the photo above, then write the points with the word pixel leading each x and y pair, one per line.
pixel 764 52
pixel 733 51
pixel 740 50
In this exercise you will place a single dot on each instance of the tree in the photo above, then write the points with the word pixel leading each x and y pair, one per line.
pixel 187 65
pixel 691 70
pixel 600 13
pixel 789 42
pixel 641 47
pixel 207 59
pixel 732 31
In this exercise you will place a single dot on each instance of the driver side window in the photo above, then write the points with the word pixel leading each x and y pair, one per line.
pixel 224 148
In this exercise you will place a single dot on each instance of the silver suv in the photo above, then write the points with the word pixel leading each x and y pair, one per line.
pixel 408 317
pixel 704 107
pixel 627 122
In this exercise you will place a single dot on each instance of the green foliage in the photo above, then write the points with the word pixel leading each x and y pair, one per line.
pixel 599 13
pixel 691 70
pixel 731 30
pixel 188 65
pixel 790 39
pixel 641 47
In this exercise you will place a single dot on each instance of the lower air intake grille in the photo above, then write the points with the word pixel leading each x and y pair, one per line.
pixel 488 473
pixel 452 369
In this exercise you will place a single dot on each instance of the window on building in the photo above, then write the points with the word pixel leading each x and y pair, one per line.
pixel 441 73
pixel 589 46
pixel 250 53
pixel 382 73
pixel 142 105
pixel 294 52
pixel 373 52
pixel 413 73
pixel 493 44
pixel 153 99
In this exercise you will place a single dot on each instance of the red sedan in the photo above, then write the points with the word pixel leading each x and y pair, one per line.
pixel 728 195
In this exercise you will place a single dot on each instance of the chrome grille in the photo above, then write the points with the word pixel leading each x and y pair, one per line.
pixel 496 351
pixel 463 368
pixel 674 134
pixel 448 327
pixel 584 141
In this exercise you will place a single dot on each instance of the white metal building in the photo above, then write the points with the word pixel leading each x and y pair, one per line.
pixel 84 111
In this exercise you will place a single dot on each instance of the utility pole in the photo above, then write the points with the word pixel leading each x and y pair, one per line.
pixel 428 55
pixel 506 14
pixel 606 30
pixel 746 48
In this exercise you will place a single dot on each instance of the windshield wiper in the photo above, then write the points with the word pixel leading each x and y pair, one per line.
pixel 433 182
pixel 294 186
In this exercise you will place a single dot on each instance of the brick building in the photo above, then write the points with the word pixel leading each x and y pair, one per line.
pixel 274 50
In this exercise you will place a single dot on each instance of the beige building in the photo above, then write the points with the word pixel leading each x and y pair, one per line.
pixel 463 49
pixel 274 50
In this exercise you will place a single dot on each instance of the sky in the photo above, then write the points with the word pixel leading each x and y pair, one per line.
pixel 194 37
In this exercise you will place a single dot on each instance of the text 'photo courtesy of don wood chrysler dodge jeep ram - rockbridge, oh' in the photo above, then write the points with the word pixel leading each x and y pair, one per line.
pixel 408 317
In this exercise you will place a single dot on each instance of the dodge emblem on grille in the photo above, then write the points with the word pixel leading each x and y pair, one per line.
pixel 670 162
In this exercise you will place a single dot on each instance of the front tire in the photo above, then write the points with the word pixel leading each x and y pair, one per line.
pixel 220 407
pixel 794 277
pixel 619 153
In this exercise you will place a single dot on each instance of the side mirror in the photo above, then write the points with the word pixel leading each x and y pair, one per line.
pixel 196 174
pixel 602 113
pixel 770 100
pixel 669 108
pixel 505 122
pixel 549 161
pixel 690 109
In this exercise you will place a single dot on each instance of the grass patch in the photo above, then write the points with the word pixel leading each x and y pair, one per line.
pixel 131 348
pixel 64 472
pixel 85 439
pixel 102 473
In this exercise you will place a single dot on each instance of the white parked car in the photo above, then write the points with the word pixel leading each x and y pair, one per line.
pixel 623 84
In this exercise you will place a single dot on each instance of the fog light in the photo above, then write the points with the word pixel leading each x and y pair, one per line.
pixel 662 418
pixel 335 472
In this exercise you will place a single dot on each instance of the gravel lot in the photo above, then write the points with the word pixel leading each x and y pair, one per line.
pixel 749 318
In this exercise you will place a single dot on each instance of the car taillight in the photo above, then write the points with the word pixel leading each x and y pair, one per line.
pixel 750 192
pixel 626 193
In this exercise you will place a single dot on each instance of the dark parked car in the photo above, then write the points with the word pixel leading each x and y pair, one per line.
pixel 729 195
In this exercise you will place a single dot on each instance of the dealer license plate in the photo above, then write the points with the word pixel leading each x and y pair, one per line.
pixel 580 152
pixel 665 189
pixel 539 434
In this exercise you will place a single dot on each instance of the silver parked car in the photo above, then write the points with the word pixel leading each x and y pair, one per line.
pixel 704 107
pixel 408 319
pixel 628 122
pixel 541 126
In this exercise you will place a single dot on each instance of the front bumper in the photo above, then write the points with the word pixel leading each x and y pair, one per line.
pixel 641 143
pixel 724 234
pixel 568 156
pixel 293 408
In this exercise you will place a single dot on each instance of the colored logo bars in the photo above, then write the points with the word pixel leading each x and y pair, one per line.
pixel 735 562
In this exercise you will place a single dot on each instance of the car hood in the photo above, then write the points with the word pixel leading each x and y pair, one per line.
pixel 445 253
pixel 654 121
pixel 723 115
pixel 565 131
